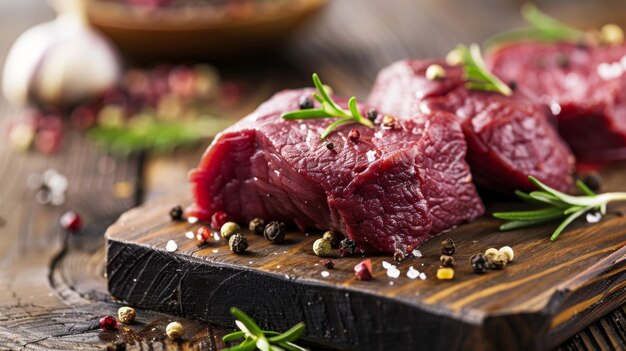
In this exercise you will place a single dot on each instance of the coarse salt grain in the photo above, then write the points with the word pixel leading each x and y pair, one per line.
pixel 189 235
pixel 417 254
pixel 412 273
pixel 423 276
pixel 216 236
pixel 192 220
pixel 215 250
pixel 393 272
pixel 171 246
pixel 387 265
pixel 325 274
pixel 593 217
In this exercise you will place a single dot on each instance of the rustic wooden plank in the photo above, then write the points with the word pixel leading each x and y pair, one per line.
pixel 549 292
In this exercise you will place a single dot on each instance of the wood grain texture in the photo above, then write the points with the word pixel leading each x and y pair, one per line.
pixel 548 293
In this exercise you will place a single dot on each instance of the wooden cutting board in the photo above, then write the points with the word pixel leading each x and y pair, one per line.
pixel 551 290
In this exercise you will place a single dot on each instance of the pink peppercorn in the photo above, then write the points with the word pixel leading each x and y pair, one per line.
pixel 71 221
pixel 363 270
pixel 354 134
pixel 218 219
pixel 108 323
pixel 202 235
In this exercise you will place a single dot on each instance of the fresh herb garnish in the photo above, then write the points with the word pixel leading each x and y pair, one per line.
pixel 476 73
pixel 254 337
pixel 541 27
pixel 559 206
pixel 329 109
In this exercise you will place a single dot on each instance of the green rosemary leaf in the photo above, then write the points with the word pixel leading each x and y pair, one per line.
pixel 252 327
pixel 546 213
pixel 584 188
pixel 567 221
pixel 317 97
pixel 581 200
pixel 572 210
pixel 324 94
pixel 233 336
pixel 546 198
pixel 290 335
pixel 357 115
pixel 476 73
pixel 334 126
pixel 511 225
pixel 263 344
pixel 276 348
pixel 306 114
pixel 248 345
pixel 292 347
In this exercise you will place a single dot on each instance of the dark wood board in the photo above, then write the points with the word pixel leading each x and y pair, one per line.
pixel 550 291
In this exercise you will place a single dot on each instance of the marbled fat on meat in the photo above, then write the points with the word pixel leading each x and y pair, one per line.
pixel 392 189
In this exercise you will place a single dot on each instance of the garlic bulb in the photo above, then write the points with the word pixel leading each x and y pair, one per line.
pixel 59 62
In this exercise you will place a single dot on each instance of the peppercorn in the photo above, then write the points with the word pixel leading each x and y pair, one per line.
pixel 363 270
pixel 447 247
pixel 174 330
pixel 562 60
pixel 330 236
pixel 238 243
pixel 126 314
pixel 228 229
pixel 593 181
pixel 347 247
pixel 499 261
pixel 71 221
pixel 371 114
pixel 388 121
pixel 447 261
pixel 305 103
pixel 508 252
pixel 435 72
pixel 490 253
pixel 479 263
pixel 202 235
pixel 275 232
pixel 116 346
pixel 330 146
pixel 176 213
pixel 108 323
pixel 354 134
pixel 256 226
pixel 445 273
pixel 321 247
pixel 218 219
pixel 398 256
pixel 329 264
pixel 512 84
pixel 611 34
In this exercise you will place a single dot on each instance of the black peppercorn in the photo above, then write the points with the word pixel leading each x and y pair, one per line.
pixel 513 84
pixel 347 247
pixel 176 213
pixel 593 181
pixel 447 247
pixel 330 146
pixel 479 263
pixel 329 264
pixel 305 103
pixel 371 114
pixel 275 232
pixel 256 226
pixel 116 346
pixel 398 256
pixel 446 261
pixel 238 243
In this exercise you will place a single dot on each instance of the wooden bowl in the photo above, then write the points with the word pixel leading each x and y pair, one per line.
pixel 197 32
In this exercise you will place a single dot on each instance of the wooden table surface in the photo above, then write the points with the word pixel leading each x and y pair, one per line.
pixel 53 289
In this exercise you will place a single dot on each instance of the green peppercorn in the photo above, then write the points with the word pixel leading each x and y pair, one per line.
pixel 275 232
pixel 322 247
pixel 435 72
pixel 446 261
pixel 256 226
pixel 228 229
pixel 238 243
pixel 175 330
pixel 330 236
pixel 126 314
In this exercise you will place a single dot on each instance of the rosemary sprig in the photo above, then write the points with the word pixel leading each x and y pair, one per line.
pixel 253 337
pixel 477 74
pixel 541 27
pixel 329 109
pixel 559 206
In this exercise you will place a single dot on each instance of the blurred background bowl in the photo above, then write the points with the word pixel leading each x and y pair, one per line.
pixel 211 29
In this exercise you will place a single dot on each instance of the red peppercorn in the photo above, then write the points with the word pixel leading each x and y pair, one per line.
pixel 218 219
pixel 202 235
pixel 71 221
pixel 363 270
pixel 354 134
pixel 108 323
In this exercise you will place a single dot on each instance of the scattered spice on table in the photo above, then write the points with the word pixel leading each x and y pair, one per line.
pixel 275 232
pixel 346 247
pixel 176 213
pixel 171 246
pixel 256 226
pixel 322 247
pixel 363 270
pixel 329 264
pixel 108 323
pixel 447 261
pixel 238 243
pixel 445 273
pixel 71 220
pixel 398 256
pixel 175 330
pixel 126 314
pixel 228 229
pixel 334 239
pixel 202 235
pixel 479 263
pixel 448 247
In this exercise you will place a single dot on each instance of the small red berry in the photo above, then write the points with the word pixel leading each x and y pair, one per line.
pixel 354 134
pixel 363 270
pixel 202 235
pixel 108 323
pixel 218 219
pixel 71 221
